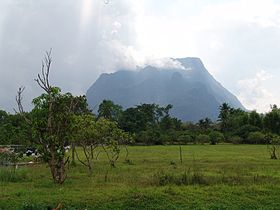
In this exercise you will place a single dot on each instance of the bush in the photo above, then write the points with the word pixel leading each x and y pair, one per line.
pixel 235 140
pixel 256 138
pixel 185 139
pixel 273 142
pixel 150 137
pixel 169 137
pixel 244 131
pixel 216 137
pixel 202 138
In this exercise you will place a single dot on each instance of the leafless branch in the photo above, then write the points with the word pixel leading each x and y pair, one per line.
pixel 19 99
pixel 20 106
pixel 43 78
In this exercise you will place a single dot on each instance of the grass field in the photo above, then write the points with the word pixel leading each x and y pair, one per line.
pixel 210 177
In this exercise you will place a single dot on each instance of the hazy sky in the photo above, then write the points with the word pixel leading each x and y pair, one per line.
pixel 237 40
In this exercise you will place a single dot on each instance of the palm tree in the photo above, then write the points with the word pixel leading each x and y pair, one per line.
pixel 225 111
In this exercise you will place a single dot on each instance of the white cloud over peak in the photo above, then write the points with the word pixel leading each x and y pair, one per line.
pixel 165 63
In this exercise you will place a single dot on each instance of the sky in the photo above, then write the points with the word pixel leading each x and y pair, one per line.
pixel 237 40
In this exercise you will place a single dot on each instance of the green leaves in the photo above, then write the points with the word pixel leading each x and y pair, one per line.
pixel 91 133
pixel 107 109
pixel 13 129
pixel 272 120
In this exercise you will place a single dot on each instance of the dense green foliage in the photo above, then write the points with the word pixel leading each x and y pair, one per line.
pixel 13 129
pixel 152 124
pixel 109 110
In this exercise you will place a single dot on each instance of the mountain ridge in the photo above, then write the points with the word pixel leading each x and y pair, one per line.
pixel 188 86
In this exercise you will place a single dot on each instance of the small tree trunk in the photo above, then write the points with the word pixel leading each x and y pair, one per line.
pixel 51 163
pixel 61 172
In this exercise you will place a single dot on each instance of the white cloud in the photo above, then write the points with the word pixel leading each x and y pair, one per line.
pixel 232 37
pixel 209 33
pixel 164 63
pixel 253 93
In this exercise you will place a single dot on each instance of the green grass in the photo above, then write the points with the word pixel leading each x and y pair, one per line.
pixel 211 177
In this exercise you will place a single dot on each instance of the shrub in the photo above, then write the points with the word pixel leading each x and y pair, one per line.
pixel 202 138
pixel 244 131
pixel 185 139
pixel 273 142
pixel 150 137
pixel 235 140
pixel 216 137
pixel 256 138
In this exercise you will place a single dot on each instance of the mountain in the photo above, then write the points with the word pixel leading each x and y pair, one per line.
pixel 188 86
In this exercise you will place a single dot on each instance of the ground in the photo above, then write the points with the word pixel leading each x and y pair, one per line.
pixel 210 177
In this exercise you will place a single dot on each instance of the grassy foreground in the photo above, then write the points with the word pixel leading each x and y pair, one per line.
pixel 210 177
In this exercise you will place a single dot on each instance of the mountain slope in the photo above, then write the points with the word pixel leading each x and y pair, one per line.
pixel 192 91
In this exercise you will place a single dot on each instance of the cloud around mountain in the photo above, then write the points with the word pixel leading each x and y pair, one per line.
pixel 185 83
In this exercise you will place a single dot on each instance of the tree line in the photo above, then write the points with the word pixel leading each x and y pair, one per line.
pixel 149 124
pixel 152 124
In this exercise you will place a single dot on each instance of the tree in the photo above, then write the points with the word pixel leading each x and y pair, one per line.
pixel 202 138
pixel 6 128
pixel 13 129
pixel 151 123
pixel 256 138
pixel 205 123
pixel 224 116
pixel 150 136
pixel 111 138
pixel 216 137
pixel 244 131
pixel 102 133
pixel 108 110
pixel 132 121
pixel 272 120
pixel 185 139
pixel 273 143
pixel 144 116
pixel 3 117
pixel 51 120
pixel 84 133
pixel 81 108
pixel 255 119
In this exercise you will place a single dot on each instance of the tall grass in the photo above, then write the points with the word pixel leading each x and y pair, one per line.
pixel 11 175
pixel 188 177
